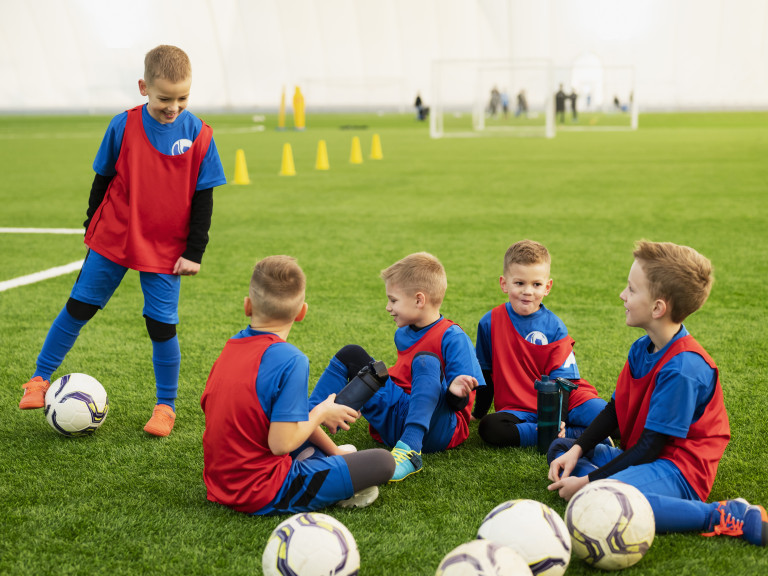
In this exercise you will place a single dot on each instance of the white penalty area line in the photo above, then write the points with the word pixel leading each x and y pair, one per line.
pixel 40 276
pixel 42 231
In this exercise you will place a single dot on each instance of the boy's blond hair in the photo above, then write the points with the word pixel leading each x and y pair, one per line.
pixel 676 274
pixel 419 272
pixel 526 253
pixel 277 288
pixel 168 62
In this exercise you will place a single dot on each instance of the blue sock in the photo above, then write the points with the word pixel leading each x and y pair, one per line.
pixel 528 433
pixel 413 435
pixel 333 379
pixel 61 337
pixel 426 388
pixel 166 360
pixel 679 515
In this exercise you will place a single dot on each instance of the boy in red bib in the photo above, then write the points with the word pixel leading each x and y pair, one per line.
pixel 149 210
pixel 425 402
pixel 668 406
pixel 517 343
pixel 263 449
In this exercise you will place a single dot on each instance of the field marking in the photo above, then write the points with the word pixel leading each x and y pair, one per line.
pixel 42 231
pixel 40 276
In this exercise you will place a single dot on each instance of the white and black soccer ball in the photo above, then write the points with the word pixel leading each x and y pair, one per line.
pixel 483 557
pixel 611 524
pixel 534 531
pixel 76 405
pixel 311 544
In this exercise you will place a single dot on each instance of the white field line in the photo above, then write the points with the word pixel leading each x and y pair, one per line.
pixel 40 276
pixel 45 274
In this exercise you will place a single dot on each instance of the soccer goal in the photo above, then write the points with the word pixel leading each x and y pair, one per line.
pixel 492 98
pixel 605 97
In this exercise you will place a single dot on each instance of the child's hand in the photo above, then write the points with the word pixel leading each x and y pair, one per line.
pixel 567 487
pixel 184 267
pixel 337 416
pixel 462 385
pixel 561 434
pixel 562 466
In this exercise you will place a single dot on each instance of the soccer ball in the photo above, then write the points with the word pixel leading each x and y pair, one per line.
pixel 534 531
pixel 611 524
pixel 76 404
pixel 483 557
pixel 311 544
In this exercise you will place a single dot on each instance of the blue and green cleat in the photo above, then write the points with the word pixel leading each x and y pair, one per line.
pixel 408 461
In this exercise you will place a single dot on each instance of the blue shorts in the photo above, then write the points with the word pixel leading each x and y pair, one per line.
pixel 100 277
pixel 317 482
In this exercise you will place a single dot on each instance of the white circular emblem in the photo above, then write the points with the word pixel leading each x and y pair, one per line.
pixel 180 146
pixel 537 337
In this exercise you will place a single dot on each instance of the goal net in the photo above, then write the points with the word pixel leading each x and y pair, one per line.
pixel 491 97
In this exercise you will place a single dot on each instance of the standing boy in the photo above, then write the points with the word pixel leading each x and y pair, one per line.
pixel 668 405
pixel 425 403
pixel 517 343
pixel 263 449
pixel 149 210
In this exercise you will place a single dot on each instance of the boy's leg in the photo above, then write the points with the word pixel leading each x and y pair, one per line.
pixel 367 469
pixel 509 429
pixel 343 366
pixel 161 300
pixel 97 281
pixel 582 415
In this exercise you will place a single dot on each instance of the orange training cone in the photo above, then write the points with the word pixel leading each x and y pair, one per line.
pixel 356 154
pixel 322 156
pixel 287 168
pixel 241 170
pixel 376 148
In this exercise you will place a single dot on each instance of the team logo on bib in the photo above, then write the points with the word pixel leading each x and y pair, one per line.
pixel 180 146
pixel 537 338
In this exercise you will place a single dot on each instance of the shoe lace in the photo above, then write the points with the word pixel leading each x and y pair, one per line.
pixel 728 525
pixel 401 455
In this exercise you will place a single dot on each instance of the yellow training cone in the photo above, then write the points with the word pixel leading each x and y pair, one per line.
pixel 376 148
pixel 356 154
pixel 322 156
pixel 287 168
pixel 241 170
pixel 281 113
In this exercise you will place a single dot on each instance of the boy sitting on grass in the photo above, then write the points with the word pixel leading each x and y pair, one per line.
pixel 517 343
pixel 425 402
pixel 668 405
pixel 263 449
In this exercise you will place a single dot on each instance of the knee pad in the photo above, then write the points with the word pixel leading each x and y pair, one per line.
pixel 354 357
pixel 159 331
pixel 80 310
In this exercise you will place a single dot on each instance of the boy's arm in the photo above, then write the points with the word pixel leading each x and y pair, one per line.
pixel 647 449
pixel 199 225
pixel 285 437
pixel 483 396
pixel 98 191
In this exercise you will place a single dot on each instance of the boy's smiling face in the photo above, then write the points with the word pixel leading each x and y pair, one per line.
pixel 526 286
pixel 403 306
pixel 638 302
pixel 166 99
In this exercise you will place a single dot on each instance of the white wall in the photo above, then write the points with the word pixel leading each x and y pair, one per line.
pixel 87 55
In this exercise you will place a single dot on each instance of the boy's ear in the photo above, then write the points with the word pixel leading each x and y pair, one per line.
pixel 659 308
pixel 421 299
pixel 142 87
pixel 247 306
pixel 302 313
pixel 548 286
pixel 503 283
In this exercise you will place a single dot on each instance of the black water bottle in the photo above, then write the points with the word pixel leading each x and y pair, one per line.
pixel 364 385
pixel 548 411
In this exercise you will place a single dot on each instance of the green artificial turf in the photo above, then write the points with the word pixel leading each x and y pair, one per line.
pixel 121 502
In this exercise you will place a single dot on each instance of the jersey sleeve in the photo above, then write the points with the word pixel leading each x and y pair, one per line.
pixel 483 347
pixel 211 171
pixel 106 157
pixel 683 389
pixel 459 356
pixel 282 384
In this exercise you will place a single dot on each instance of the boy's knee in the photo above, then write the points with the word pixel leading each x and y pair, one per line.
pixel 81 310
pixel 500 429
pixel 354 357
pixel 159 331
pixel 426 363
pixel 559 447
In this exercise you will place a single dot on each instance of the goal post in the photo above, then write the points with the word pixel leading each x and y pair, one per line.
pixel 469 96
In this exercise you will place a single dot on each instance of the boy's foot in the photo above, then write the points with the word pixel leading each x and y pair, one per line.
pixel 361 499
pixel 408 461
pixel 161 423
pixel 740 518
pixel 34 393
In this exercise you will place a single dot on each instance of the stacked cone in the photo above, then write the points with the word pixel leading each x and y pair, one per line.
pixel 356 153
pixel 241 169
pixel 287 168
pixel 322 157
